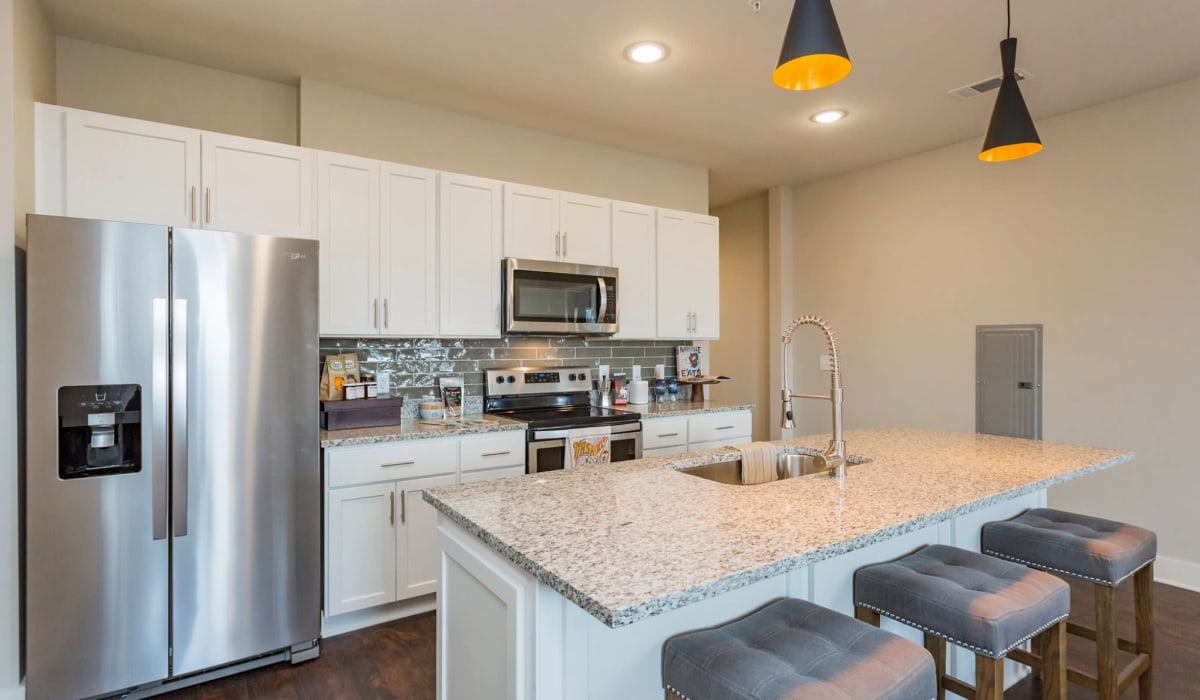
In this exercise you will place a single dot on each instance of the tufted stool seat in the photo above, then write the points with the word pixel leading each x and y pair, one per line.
pixel 1104 552
pixel 796 650
pixel 978 602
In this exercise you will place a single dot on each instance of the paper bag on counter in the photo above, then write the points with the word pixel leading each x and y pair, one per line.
pixel 350 363
pixel 333 379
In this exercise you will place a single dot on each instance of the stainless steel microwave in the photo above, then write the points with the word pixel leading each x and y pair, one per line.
pixel 555 298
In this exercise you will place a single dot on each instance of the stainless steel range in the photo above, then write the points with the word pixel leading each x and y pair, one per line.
pixel 553 401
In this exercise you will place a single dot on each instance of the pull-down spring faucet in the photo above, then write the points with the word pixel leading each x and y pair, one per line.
pixel 834 459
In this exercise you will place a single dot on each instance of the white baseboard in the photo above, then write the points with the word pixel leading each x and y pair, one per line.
pixel 1177 572
pixel 17 693
pixel 348 622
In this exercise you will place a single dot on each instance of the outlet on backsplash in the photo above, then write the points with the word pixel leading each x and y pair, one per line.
pixel 412 365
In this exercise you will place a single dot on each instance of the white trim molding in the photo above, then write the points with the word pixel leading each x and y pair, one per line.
pixel 1177 572
pixel 17 693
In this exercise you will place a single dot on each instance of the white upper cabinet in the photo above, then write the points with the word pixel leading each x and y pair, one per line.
pixel 689 273
pixel 256 186
pixel 531 223
pixel 348 229
pixel 408 256
pixel 125 169
pixel 586 224
pixel 544 224
pixel 633 254
pixel 469 239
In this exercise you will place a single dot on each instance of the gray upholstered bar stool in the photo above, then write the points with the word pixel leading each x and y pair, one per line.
pixel 978 602
pixel 1104 552
pixel 796 650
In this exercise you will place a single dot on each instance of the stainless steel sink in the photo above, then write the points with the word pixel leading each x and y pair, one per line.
pixel 731 472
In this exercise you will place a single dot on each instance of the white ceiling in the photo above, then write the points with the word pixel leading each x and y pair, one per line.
pixel 557 66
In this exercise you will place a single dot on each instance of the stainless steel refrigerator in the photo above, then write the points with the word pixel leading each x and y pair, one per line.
pixel 172 516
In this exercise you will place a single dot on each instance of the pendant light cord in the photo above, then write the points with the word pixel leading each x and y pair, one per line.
pixel 1009 3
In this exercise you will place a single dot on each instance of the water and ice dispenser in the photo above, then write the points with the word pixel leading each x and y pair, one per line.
pixel 99 430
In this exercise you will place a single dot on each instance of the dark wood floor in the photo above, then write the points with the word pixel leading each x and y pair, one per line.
pixel 396 660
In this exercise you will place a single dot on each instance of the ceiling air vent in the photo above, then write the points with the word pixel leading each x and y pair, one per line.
pixel 966 92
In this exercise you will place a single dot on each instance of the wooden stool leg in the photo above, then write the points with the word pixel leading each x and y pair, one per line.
pixel 1143 592
pixel 936 646
pixel 867 615
pixel 1052 647
pixel 1106 641
pixel 989 678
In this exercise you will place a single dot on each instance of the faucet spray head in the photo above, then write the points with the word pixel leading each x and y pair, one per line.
pixel 788 418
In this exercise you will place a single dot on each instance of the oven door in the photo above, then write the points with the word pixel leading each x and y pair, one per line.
pixel 546 450
pixel 559 298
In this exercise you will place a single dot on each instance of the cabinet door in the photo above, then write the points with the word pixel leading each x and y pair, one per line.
pixel 586 226
pixel 633 253
pixel 409 251
pixel 416 541
pixel 531 223
pixel 675 288
pixel 256 186
pixel 469 242
pixel 493 473
pixel 130 170
pixel 361 555
pixel 348 228
pixel 704 236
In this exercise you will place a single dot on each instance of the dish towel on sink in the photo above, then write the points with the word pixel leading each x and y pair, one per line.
pixel 758 462
pixel 588 447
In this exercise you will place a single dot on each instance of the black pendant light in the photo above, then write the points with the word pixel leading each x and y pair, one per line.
pixel 814 55
pixel 1011 134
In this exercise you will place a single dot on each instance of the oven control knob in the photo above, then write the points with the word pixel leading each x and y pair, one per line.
pixel 511 379
pixel 571 377
pixel 499 380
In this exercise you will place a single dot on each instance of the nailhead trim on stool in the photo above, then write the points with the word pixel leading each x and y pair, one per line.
pixel 978 602
pixel 1104 552
pixel 796 650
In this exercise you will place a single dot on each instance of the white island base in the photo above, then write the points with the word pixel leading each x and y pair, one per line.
pixel 503 634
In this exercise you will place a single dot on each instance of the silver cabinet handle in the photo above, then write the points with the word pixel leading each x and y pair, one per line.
pixel 158 469
pixel 558 244
pixel 565 244
pixel 403 507
pixel 405 463
pixel 496 454
pixel 208 205
pixel 179 418
pixel 497 316
pixel 392 508
pixel 668 434
pixel 375 313
pixel 193 205
pixel 724 427
pixel 385 313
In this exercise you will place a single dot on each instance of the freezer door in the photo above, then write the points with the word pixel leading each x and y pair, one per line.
pixel 95 482
pixel 246 491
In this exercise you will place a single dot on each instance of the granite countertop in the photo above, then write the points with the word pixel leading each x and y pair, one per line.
pixel 413 429
pixel 634 539
pixel 684 408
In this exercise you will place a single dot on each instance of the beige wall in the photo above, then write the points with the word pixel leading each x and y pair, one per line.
pixel 1098 238
pixel 347 121
pixel 26 75
pixel 115 81
pixel 742 350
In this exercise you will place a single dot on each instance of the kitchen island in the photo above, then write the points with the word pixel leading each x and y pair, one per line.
pixel 565 585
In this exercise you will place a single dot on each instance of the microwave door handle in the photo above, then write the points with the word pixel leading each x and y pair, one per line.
pixel 603 300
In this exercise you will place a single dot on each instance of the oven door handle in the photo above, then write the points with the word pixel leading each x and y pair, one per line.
pixel 619 432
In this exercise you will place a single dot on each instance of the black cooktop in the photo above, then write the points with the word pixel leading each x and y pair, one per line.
pixel 570 416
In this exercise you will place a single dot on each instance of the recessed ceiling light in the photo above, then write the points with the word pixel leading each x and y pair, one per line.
pixel 646 52
pixel 829 116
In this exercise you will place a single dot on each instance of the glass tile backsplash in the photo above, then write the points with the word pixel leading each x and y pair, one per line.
pixel 414 364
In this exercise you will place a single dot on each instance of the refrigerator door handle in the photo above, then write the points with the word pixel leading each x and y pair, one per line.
pixel 158 391
pixel 179 422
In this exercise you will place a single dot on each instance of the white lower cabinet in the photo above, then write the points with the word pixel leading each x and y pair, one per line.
pixel 705 431
pixel 380 534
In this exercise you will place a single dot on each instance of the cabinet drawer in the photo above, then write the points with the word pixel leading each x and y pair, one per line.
pixel 664 451
pixel 495 473
pixel 362 464
pixel 718 426
pixel 492 450
pixel 730 441
pixel 663 432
